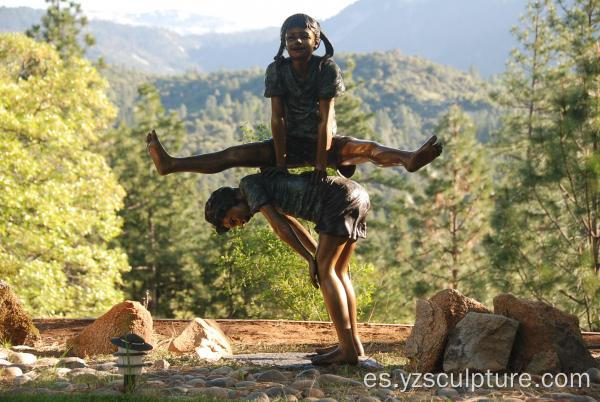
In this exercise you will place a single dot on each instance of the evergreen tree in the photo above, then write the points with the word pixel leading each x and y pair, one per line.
pixel 59 198
pixel 163 222
pixel 61 27
pixel 546 229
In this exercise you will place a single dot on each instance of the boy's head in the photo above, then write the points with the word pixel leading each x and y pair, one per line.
pixel 225 209
pixel 303 21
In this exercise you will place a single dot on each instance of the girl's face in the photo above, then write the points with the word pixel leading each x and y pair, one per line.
pixel 300 42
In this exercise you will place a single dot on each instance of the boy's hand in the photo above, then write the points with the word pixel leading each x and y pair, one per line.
pixel 314 273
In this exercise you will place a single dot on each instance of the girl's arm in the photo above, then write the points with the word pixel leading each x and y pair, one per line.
pixel 326 112
pixel 279 130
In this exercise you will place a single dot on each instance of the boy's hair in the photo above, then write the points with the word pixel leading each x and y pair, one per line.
pixel 219 202
pixel 303 21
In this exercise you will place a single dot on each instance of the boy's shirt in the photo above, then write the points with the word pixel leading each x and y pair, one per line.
pixel 301 97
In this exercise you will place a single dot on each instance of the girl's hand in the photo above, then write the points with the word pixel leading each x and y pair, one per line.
pixel 314 273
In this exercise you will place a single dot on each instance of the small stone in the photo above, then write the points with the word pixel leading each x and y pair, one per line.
pixel 301 384
pixel 449 393
pixel 594 374
pixel 5 363
pixel 221 382
pixel 23 349
pixel 257 396
pixel 47 362
pixel 223 371
pixel 197 382
pixel 270 376
pixel 4 353
pixel 156 384
pixel 383 393
pixel 313 393
pixel 337 379
pixel 178 377
pixel 235 394
pixel 326 400
pixel 368 399
pixel 216 392
pixel 11 372
pixel 62 371
pixel 21 380
pixel 22 358
pixel 308 374
pixel 161 364
pixel 60 384
pixel 244 384
pixel 72 362
pixel 281 392
pixel 26 368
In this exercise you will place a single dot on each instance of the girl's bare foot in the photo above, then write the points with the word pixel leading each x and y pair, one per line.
pixel 160 157
pixel 338 356
pixel 424 155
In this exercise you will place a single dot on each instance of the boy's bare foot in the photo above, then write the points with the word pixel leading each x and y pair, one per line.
pixel 160 157
pixel 338 356
pixel 322 351
pixel 424 155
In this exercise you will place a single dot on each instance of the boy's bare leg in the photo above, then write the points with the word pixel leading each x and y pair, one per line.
pixel 256 154
pixel 329 250
pixel 360 151
pixel 341 270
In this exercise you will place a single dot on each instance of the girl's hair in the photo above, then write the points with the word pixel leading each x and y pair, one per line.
pixel 303 21
pixel 218 204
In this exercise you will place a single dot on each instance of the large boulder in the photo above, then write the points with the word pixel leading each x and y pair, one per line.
pixel 121 319
pixel 16 325
pixel 203 337
pixel 435 318
pixel 480 342
pixel 548 340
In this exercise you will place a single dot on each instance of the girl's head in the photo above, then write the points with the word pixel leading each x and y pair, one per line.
pixel 226 209
pixel 303 21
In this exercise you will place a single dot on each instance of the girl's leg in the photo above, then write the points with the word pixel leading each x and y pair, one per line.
pixel 342 270
pixel 256 154
pixel 328 252
pixel 357 151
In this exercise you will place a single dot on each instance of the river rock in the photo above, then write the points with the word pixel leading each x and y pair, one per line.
pixel 480 342
pixel 205 338
pixel 47 362
pixel 121 319
pixel 435 318
pixel 16 325
pixel 546 330
pixel 72 362
pixel 221 382
pixel 222 371
pixel 161 364
pixel 22 358
pixel 257 396
pixel 302 384
pixel 325 379
pixel 11 372
pixel 313 393
pixel 270 376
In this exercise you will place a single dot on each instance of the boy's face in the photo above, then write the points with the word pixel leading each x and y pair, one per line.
pixel 237 215
pixel 300 42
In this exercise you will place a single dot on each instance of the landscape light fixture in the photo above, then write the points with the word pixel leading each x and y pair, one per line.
pixel 130 353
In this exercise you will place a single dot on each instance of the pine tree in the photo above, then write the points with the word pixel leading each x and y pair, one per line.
pixel 61 27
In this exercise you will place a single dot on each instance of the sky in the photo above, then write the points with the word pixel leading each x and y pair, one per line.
pixel 233 15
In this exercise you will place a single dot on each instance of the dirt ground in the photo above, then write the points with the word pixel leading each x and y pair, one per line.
pixel 262 335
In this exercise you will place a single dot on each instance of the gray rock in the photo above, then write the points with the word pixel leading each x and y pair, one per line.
pixel 221 382
pixel 383 393
pixel 161 364
pixel 449 393
pixel 281 392
pixel 480 342
pixel 22 358
pixel 11 372
pixel 244 384
pixel 313 393
pixel 336 379
pixel 307 374
pixel 72 362
pixel 47 362
pixel 156 384
pixel 18 381
pixel 594 374
pixel 257 396
pixel 223 371
pixel 216 392
pixel 301 384
pixel 107 366
pixel 61 384
pixel 197 382
pixel 270 376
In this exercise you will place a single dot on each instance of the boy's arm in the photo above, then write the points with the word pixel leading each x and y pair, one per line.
pixel 303 235
pixel 279 130
pixel 326 113
pixel 284 231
